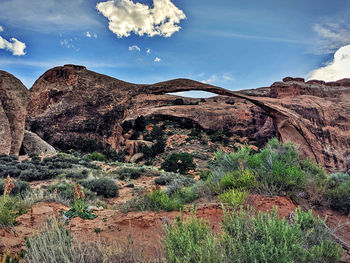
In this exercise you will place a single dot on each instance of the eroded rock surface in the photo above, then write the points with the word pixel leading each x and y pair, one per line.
pixel 14 100
pixel 71 103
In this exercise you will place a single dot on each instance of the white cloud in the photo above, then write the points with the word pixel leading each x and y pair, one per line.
pixel 68 43
pixel 125 17
pixel 134 48
pixel 332 35
pixel 338 68
pixel 14 45
pixel 90 35
pixel 148 51
pixel 157 59
pixel 215 78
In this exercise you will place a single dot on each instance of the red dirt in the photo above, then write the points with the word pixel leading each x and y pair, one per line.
pixel 145 229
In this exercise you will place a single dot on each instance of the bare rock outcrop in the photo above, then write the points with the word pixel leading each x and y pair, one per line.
pixel 13 110
pixel 71 103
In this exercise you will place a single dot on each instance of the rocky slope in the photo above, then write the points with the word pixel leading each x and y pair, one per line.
pixel 13 103
pixel 70 103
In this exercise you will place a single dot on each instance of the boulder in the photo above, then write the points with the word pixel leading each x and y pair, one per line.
pixel 33 144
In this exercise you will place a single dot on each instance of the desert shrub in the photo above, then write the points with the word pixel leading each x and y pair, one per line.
pixel 179 163
pixel 276 167
pixel 190 241
pixel 241 179
pixel 140 123
pixel 130 173
pixel 89 145
pixel 155 149
pixel 219 136
pixel 96 156
pixel 159 200
pixel 156 132
pixel 20 187
pixel 205 174
pixel 169 178
pixel 78 175
pixel 112 155
pixel 38 174
pixel 154 201
pixel 64 190
pixel 233 197
pixel 339 178
pixel 339 195
pixel 185 195
pixel 10 208
pixel 195 133
pixel 102 186
pixel 266 238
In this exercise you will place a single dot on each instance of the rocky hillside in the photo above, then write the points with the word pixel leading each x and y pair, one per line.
pixel 70 103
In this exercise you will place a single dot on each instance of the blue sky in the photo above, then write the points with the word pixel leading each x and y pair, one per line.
pixel 230 43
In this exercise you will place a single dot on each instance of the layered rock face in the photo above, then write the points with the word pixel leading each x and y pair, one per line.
pixel 13 103
pixel 70 103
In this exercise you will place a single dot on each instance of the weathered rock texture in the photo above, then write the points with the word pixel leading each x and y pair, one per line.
pixel 33 144
pixel 13 104
pixel 71 103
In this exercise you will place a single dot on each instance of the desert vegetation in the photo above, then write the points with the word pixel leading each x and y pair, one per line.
pixel 82 181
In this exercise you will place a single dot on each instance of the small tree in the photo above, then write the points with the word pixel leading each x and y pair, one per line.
pixel 179 163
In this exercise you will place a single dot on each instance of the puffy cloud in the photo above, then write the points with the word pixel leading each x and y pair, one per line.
pixel 125 17
pixel 157 59
pixel 148 51
pixel 14 45
pixel 134 48
pixel 337 69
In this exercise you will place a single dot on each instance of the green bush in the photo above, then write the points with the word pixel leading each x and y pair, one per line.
pixel 102 186
pixel 204 175
pixel 10 208
pixel 276 168
pixel 130 173
pixel 233 197
pixel 96 156
pixel 190 241
pixel 159 200
pixel 266 238
pixel 339 196
pixel 179 163
pixel 112 155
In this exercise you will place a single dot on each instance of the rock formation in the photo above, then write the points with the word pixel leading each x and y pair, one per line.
pixel 70 103
pixel 13 104
pixel 33 144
